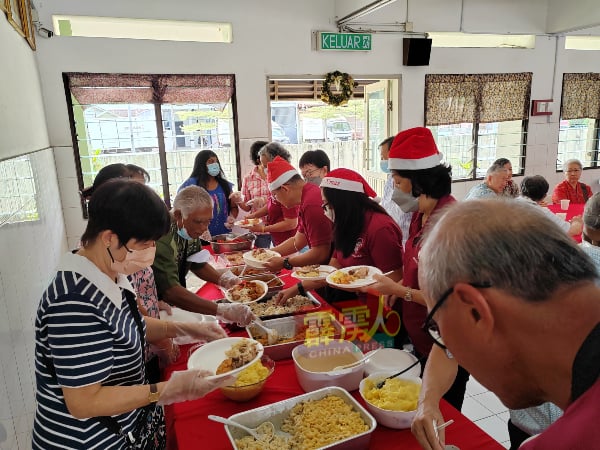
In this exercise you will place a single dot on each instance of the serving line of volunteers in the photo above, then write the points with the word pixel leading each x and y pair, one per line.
pixel 91 303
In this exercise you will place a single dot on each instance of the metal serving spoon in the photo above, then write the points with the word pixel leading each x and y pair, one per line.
pixel 381 383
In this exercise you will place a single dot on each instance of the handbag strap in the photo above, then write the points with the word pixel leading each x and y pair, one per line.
pixel 586 195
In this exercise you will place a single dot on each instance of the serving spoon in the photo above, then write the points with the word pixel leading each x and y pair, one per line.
pixel 251 431
pixel 272 335
pixel 382 382
pixel 357 362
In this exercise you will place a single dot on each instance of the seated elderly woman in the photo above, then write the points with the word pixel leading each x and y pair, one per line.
pixel 495 181
pixel 571 188
pixel 511 189
pixel 364 234
pixel 590 243
pixel 533 190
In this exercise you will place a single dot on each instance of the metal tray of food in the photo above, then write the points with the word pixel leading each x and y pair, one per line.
pixel 277 412
pixel 229 259
pixel 317 327
pixel 268 309
pixel 229 242
pixel 247 271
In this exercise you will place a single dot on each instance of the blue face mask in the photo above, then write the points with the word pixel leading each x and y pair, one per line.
pixel 182 232
pixel 384 165
pixel 214 169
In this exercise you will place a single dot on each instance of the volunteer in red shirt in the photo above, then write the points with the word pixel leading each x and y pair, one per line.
pixel 314 229
pixel 364 233
pixel 415 164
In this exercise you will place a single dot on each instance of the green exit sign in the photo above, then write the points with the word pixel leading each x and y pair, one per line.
pixel 344 41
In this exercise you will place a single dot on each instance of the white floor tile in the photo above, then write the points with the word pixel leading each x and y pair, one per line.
pixel 474 388
pixel 475 410
pixel 491 402
pixel 495 427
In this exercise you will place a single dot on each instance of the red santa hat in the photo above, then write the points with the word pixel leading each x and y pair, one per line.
pixel 414 149
pixel 347 180
pixel 279 172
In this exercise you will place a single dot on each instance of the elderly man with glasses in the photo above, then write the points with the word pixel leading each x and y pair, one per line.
pixel 515 303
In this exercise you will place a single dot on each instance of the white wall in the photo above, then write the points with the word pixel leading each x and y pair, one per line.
pixel 29 251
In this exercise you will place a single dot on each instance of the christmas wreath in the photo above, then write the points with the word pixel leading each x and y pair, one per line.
pixel 344 85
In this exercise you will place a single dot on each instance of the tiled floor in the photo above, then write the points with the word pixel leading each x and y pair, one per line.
pixel 484 408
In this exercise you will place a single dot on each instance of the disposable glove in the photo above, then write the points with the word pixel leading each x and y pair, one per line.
pixel 235 312
pixel 228 280
pixel 257 202
pixel 201 331
pixel 166 350
pixel 189 385
pixel 229 222
pixel 236 197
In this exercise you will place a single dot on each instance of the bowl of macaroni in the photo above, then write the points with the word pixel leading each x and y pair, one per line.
pixel 395 404
pixel 251 381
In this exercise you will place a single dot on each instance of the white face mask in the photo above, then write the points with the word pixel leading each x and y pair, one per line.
pixel 406 202
pixel 134 261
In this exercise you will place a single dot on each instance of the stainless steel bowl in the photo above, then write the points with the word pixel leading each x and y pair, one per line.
pixel 224 247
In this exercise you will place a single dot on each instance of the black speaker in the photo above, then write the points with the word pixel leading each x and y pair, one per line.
pixel 416 52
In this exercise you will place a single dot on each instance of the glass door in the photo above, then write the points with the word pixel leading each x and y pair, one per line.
pixel 378 108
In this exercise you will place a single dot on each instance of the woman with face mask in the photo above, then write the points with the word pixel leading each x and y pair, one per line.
pixel 91 387
pixel 415 164
pixel 363 233
pixel 208 174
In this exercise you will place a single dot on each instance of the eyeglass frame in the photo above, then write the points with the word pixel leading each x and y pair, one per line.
pixel 431 327
pixel 309 172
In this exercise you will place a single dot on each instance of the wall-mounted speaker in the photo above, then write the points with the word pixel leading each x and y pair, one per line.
pixel 416 52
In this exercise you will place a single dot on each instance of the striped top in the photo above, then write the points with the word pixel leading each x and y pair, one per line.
pixel 85 330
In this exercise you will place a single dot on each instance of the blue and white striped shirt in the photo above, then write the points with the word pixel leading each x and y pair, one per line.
pixel 85 330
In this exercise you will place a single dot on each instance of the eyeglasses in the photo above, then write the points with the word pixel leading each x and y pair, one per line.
pixel 432 327
pixel 309 173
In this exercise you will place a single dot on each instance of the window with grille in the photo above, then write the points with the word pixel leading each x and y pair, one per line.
pixel 579 132
pixel 17 191
pixel 158 122
pixel 476 119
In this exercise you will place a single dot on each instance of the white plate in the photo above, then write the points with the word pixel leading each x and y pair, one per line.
pixel 257 263
pixel 258 282
pixel 323 272
pixel 392 360
pixel 181 315
pixel 251 222
pixel 358 283
pixel 210 355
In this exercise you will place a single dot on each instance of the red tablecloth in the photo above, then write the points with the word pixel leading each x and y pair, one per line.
pixel 188 421
pixel 188 427
pixel 575 209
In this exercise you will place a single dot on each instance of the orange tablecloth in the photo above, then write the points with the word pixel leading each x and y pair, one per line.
pixel 188 427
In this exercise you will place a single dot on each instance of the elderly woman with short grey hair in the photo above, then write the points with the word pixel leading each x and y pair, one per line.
pixel 571 188
pixel 495 181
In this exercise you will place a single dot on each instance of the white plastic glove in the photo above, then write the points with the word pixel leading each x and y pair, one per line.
pixel 235 312
pixel 236 197
pixel 229 222
pixel 228 280
pixel 257 202
pixel 189 385
pixel 166 350
pixel 201 331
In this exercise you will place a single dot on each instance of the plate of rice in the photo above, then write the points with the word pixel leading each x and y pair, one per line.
pixel 312 272
pixel 257 257
pixel 353 277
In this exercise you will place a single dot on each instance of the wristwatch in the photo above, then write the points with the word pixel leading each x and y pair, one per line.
pixel 153 395
pixel 408 295
pixel 287 265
